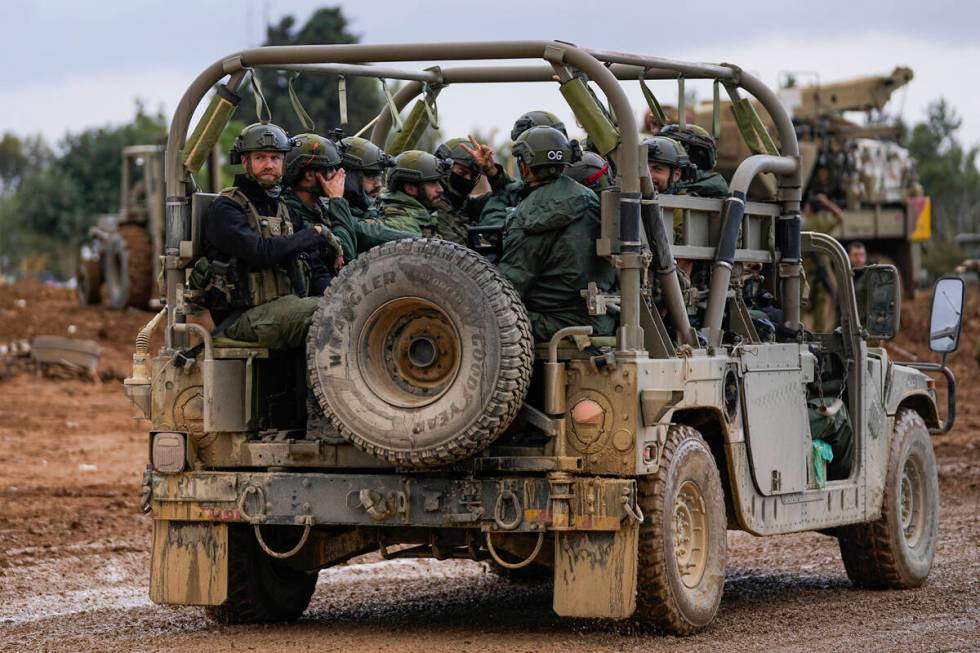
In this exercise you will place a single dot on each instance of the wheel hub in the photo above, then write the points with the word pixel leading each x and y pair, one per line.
pixel 411 352
pixel 690 533
pixel 911 503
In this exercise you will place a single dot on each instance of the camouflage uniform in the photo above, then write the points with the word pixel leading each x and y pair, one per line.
pixel 457 209
pixel 707 184
pixel 416 215
pixel 821 304
pixel 401 211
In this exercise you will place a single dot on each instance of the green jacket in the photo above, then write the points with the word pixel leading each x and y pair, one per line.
pixel 708 184
pixel 354 235
pixel 318 214
pixel 455 213
pixel 403 212
pixel 501 203
pixel 549 256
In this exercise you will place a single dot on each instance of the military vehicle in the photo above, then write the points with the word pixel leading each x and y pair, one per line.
pixel 122 251
pixel 862 169
pixel 614 464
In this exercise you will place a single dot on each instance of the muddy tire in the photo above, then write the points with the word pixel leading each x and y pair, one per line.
pixel 682 549
pixel 260 588
pixel 421 353
pixel 896 551
pixel 89 282
pixel 128 268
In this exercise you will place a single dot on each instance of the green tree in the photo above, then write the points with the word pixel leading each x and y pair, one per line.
pixel 317 93
pixel 947 170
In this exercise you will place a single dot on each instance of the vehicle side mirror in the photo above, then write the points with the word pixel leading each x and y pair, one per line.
pixel 947 315
pixel 880 294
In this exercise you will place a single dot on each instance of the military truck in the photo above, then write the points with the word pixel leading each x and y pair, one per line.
pixel 615 465
pixel 122 251
pixel 862 169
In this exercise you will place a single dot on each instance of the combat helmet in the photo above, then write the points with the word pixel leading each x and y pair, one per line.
pixel 453 149
pixel 536 119
pixel 416 167
pixel 669 152
pixel 361 155
pixel 260 137
pixel 697 141
pixel 592 171
pixel 545 146
pixel 313 152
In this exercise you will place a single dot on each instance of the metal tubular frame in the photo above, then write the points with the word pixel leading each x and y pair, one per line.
pixel 605 68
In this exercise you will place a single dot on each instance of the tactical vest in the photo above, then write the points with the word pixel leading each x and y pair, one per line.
pixel 223 283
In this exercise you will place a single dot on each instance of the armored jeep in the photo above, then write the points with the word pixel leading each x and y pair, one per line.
pixel 615 465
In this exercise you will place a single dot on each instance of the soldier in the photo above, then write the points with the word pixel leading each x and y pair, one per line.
pixel 549 242
pixel 315 190
pixel 822 215
pixel 503 200
pixel 256 254
pixel 365 164
pixel 703 152
pixel 319 192
pixel 592 171
pixel 458 208
pixel 414 189
pixel 669 164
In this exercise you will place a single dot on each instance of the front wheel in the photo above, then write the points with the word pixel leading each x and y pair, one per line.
pixel 896 551
pixel 682 552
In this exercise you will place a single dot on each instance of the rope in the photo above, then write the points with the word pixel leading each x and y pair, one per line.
pixel 342 97
pixel 655 108
pixel 391 105
pixel 514 565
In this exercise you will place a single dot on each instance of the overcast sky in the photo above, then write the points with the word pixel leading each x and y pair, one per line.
pixel 71 65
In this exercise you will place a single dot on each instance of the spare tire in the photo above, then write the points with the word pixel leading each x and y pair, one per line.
pixel 420 353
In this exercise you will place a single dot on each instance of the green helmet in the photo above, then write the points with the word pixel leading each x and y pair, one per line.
pixel 667 151
pixel 311 151
pixel 592 171
pixel 543 146
pixel 698 143
pixel 536 119
pixel 361 155
pixel 453 149
pixel 260 137
pixel 416 167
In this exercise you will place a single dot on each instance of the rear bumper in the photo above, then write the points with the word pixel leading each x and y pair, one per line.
pixel 559 501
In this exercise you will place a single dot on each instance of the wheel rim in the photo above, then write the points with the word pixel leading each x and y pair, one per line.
pixel 912 502
pixel 690 531
pixel 411 352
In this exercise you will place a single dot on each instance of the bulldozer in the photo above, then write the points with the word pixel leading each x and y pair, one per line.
pixel 615 465
pixel 119 261
pixel 859 170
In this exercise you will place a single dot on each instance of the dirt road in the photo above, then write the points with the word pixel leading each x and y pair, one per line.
pixel 74 549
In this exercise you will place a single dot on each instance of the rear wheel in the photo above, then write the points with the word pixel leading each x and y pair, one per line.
pixel 260 588
pixel 129 268
pixel 896 551
pixel 682 550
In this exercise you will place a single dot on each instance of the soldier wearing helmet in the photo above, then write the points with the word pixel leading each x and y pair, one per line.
pixel 365 164
pixel 260 272
pixel 592 171
pixel 703 151
pixel 669 163
pixel 414 189
pixel 549 241
pixel 508 194
pixel 318 194
pixel 458 208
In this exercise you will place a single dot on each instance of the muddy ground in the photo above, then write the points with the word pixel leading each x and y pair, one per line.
pixel 74 549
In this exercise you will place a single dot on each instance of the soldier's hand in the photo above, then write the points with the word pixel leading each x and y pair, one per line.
pixel 482 154
pixel 338 262
pixel 334 186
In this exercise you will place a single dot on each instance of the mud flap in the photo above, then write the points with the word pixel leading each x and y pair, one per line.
pixel 595 573
pixel 189 563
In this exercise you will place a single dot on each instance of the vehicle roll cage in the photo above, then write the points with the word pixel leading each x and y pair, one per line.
pixel 604 68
